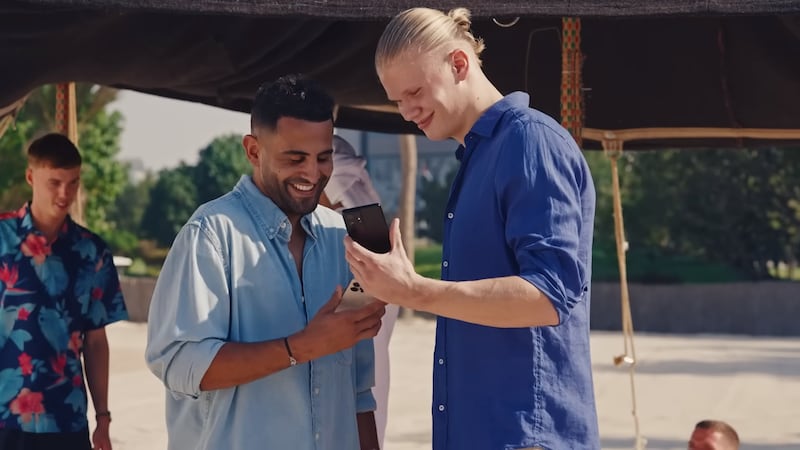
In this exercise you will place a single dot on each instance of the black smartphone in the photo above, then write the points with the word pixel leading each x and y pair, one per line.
pixel 367 226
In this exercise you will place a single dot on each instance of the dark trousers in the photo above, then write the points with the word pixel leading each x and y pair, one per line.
pixel 20 440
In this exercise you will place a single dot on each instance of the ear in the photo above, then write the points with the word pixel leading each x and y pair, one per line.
pixel 29 176
pixel 250 144
pixel 459 61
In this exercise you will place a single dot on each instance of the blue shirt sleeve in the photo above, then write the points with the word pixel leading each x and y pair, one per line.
pixel 539 188
pixel 107 304
pixel 189 312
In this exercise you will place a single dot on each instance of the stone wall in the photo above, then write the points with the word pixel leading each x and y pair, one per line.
pixel 767 308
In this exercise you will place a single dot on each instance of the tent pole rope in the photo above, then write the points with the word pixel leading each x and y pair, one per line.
pixel 613 150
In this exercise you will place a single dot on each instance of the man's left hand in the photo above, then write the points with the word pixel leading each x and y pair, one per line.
pixel 101 439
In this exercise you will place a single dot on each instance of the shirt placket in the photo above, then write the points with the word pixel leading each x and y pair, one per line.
pixel 440 406
pixel 315 374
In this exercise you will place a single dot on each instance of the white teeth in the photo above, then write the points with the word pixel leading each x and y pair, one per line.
pixel 303 187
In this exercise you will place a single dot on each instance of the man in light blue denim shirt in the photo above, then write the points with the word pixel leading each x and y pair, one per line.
pixel 242 327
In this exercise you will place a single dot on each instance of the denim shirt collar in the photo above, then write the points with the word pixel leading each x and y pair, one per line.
pixel 267 214
pixel 488 121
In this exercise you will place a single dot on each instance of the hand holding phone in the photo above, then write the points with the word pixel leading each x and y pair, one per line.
pixel 367 226
pixel 354 297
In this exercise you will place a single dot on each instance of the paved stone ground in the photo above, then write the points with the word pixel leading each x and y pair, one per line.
pixel 754 383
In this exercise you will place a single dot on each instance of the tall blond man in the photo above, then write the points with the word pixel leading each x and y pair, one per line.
pixel 511 366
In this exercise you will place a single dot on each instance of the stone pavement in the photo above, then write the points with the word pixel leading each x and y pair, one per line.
pixel 753 383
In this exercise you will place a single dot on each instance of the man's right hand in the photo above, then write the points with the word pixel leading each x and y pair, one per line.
pixel 330 331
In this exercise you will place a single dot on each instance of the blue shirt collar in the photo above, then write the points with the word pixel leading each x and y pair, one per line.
pixel 266 212
pixel 488 121
pixel 26 222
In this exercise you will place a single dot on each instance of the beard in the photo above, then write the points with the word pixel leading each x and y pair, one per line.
pixel 292 205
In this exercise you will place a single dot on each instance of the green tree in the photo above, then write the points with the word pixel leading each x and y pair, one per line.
pixel 14 190
pixel 103 177
pixel 220 166
pixel 724 206
pixel 173 198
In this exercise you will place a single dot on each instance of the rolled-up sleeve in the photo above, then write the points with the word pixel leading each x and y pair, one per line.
pixel 540 194
pixel 189 312
pixel 364 355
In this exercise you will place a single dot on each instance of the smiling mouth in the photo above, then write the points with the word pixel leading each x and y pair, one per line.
pixel 425 122
pixel 303 188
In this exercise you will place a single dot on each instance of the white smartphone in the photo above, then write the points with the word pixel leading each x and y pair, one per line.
pixel 354 297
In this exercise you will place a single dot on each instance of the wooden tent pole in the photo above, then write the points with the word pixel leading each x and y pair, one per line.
pixel 67 124
pixel 634 134
pixel 408 195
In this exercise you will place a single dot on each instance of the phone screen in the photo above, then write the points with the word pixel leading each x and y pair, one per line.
pixel 367 226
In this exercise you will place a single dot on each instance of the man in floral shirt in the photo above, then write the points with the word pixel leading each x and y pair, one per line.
pixel 58 290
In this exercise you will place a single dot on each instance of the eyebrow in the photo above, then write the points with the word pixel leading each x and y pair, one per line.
pixel 405 93
pixel 78 178
pixel 305 153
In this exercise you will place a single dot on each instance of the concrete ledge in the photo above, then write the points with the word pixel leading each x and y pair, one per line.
pixel 766 308
pixel 763 309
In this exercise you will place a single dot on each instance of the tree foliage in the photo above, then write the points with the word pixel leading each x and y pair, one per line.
pixel 173 198
pixel 220 166
pixel 179 191
pixel 736 207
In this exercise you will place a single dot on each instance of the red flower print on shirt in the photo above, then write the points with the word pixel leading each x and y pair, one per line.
pixel 77 381
pixel 8 215
pixel 23 314
pixel 58 363
pixel 75 342
pixel 97 293
pixel 9 275
pixel 35 246
pixel 26 404
pixel 25 364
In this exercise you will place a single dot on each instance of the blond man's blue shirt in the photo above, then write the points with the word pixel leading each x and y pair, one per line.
pixel 230 277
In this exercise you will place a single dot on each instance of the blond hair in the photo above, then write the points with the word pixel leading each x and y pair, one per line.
pixel 425 29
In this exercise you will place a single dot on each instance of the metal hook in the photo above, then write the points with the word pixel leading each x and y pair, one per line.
pixel 507 24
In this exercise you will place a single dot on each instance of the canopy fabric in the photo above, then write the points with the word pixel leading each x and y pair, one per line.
pixel 359 9
pixel 646 64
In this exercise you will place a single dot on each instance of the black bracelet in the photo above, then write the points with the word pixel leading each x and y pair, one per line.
pixel 292 360
pixel 103 414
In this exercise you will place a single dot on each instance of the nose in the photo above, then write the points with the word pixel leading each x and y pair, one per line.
pixel 408 111
pixel 64 191
pixel 311 170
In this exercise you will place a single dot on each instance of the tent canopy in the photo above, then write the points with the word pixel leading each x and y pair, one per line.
pixel 646 64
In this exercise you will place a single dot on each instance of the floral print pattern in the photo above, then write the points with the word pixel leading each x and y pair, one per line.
pixel 50 295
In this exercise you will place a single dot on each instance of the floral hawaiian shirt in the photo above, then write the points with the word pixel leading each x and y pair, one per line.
pixel 50 295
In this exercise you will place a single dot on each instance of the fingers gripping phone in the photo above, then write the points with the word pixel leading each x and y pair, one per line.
pixel 367 226
pixel 354 297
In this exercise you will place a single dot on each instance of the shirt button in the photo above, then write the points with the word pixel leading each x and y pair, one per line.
pixel 441 361
pixel 445 264
pixel 441 407
pixel 316 391
pixel 316 436
pixel 283 225
pixel 449 215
